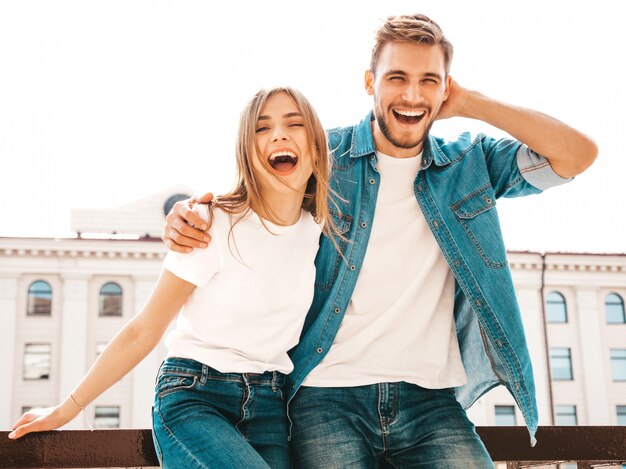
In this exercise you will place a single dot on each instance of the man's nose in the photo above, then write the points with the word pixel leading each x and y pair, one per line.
pixel 413 94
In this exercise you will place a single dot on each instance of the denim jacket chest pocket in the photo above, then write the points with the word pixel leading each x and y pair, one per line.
pixel 477 214
pixel 329 259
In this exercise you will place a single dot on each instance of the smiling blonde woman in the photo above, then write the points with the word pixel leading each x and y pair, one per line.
pixel 218 397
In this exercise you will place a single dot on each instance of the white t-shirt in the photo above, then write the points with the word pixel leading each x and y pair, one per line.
pixel 254 288
pixel 399 325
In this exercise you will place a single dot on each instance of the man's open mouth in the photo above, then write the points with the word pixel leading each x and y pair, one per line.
pixel 283 161
pixel 408 117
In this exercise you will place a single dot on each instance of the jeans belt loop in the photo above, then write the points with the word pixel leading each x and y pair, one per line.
pixel 205 374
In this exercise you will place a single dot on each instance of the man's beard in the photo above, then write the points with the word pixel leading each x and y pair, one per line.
pixel 406 144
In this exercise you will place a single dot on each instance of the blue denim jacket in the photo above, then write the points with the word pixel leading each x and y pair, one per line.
pixel 456 189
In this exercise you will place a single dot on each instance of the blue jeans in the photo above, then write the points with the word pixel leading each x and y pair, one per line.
pixel 202 418
pixel 387 425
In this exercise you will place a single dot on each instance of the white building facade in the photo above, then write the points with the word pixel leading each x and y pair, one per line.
pixel 62 300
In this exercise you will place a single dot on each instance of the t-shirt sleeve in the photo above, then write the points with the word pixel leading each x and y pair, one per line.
pixel 200 265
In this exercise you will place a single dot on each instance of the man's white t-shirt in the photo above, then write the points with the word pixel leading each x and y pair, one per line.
pixel 254 289
pixel 399 325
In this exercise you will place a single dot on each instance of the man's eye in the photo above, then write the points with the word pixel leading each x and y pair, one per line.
pixel 261 129
pixel 396 78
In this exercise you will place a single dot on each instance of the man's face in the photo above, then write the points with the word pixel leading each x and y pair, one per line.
pixel 409 88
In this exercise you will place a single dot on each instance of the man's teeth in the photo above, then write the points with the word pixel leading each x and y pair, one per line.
pixel 410 113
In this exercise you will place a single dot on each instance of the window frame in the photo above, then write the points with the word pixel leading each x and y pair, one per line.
pixel 103 296
pixel 550 318
pixel 619 303
pixel 569 357
pixel 31 297
pixel 25 364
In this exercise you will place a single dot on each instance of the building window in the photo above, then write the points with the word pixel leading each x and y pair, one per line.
pixel 39 299
pixel 36 361
pixel 621 414
pixel 561 364
pixel 614 309
pixel 618 364
pixel 107 417
pixel 565 415
pixel 111 300
pixel 556 308
pixel 505 415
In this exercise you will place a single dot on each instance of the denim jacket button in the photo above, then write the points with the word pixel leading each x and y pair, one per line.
pixel 363 224
pixel 337 310
pixel 372 181
pixel 353 267
pixel 320 350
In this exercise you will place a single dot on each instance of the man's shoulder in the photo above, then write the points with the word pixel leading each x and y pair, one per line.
pixel 459 141
pixel 458 146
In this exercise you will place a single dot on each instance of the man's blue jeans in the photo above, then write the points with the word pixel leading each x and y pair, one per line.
pixel 389 425
pixel 202 418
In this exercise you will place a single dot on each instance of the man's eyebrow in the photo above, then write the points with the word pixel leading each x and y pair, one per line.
pixel 396 72
pixel 433 75
pixel 403 73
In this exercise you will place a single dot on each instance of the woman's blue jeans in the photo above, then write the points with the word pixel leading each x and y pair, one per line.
pixel 202 418
pixel 386 425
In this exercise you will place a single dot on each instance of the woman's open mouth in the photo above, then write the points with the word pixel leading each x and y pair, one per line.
pixel 283 162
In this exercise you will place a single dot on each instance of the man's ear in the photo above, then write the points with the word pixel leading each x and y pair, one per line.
pixel 369 82
pixel 448 86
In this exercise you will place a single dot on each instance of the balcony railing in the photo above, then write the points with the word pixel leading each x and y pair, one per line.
pixel 587 446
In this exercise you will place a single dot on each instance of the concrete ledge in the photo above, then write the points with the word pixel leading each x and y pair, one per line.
pixel 134 448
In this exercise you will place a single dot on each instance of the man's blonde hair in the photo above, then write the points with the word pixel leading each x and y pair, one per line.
pixel 418 29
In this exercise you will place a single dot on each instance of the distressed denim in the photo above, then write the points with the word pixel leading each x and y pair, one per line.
pixel 456 189
pixel 202 418
pixel 387 425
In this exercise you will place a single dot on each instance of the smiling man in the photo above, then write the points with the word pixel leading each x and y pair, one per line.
pixel 417 317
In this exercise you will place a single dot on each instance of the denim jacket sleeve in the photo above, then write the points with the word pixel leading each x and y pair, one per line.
pixel 515 170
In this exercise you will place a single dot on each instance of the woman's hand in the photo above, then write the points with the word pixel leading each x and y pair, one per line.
pixel 39 420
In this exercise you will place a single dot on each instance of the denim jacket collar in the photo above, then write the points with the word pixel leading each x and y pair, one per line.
pixel 363 144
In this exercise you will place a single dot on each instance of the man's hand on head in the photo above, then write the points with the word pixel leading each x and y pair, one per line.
pixel 184 229
pixel 453 106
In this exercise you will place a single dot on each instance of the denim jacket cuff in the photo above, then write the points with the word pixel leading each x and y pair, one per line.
pixel 536 169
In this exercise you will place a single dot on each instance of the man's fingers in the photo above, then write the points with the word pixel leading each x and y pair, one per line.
pixel 205 199
pixel 192 218
pixel 181 230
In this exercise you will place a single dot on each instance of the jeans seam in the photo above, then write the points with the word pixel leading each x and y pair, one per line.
pixel 177 441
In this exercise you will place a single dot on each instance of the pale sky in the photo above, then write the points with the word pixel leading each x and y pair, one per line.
pixel 106 102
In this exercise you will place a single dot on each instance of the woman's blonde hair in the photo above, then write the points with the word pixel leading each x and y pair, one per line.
pixel 246 193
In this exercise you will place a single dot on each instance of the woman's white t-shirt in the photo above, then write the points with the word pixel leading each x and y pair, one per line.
pixel 253 290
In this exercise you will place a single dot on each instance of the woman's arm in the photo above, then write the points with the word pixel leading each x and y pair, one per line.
pixel 129 346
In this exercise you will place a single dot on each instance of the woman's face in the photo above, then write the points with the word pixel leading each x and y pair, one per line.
pixel 283 147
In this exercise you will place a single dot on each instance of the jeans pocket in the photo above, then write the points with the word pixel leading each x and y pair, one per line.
pixel 168 383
